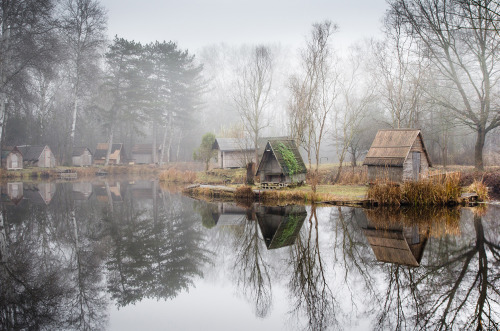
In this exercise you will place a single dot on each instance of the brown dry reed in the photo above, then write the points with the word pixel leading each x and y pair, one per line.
pixel 431 191
pixel 480 189
pixel 173 175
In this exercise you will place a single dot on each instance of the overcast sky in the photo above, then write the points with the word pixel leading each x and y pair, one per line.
pixel 196 23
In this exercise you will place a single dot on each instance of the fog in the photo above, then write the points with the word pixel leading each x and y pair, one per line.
pixel 328 74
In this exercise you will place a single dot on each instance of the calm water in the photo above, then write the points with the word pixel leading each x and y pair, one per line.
pixel 130 255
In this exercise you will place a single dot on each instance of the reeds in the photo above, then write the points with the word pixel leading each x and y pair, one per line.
pixel 173 175
pixel 480 189
pixel 431 191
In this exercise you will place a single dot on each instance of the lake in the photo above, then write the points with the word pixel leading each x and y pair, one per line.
pixel 131 254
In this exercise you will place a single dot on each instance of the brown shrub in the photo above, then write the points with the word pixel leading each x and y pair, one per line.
pixel 176 176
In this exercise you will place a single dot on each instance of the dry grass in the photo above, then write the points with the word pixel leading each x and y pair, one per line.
pixel 244 193
pixel 433 191
pixel 480 189
pixel 173 175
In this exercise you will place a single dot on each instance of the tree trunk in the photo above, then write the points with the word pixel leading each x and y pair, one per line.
pixel 162 154
pixel 478 152
pixel 154 151
pixel 110 145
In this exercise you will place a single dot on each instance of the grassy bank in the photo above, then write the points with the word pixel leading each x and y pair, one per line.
pixel 303 194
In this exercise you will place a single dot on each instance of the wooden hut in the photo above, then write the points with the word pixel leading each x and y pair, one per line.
pixel 12 158
pixel 281 163
pixel 143 154
pixel 82 157
pixel 233 152
pixel 37 156
pixel 280 225
pixel 397 155
pixel 117 155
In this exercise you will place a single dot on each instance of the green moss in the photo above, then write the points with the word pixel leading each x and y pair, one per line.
pixel 290 161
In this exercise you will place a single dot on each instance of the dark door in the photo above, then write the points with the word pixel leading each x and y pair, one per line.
pixel 416 165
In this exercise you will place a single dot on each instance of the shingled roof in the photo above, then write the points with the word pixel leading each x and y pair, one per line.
pixel 31 153
pixel 276 147
pixel 233 144
pixel 77 151
pixel 391 147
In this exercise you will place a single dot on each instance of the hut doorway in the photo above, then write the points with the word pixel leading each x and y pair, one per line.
pixel 416 165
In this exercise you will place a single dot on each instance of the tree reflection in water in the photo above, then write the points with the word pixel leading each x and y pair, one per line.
pixel 62 259
pixel 308 282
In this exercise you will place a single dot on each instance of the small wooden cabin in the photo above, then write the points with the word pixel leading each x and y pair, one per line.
pixel 12 158
pixel 41 193
pixel 37 156
pixel 275 167
pixel 82 157
pixel 233 152
pixel 143 154
pixel 397 155
pixel 117 155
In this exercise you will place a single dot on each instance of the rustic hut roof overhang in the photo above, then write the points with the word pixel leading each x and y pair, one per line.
pixel 277 147
pixel 391 147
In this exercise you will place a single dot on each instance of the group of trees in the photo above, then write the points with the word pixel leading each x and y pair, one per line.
pixel 64 84
pixel 436 69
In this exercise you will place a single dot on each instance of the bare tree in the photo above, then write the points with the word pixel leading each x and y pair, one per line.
pixel 83 26
pixel 314 91
pixel 460 40
pixel 252 97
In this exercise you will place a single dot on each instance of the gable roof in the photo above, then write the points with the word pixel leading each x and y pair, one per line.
pixel 77 151
pixel 391 147
pixel 233 144
pixel 277 147
pixel 9 149
pixel 102 149
pixel 31 153
pixel 146 149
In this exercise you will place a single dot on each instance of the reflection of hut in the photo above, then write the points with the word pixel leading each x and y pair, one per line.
pixel 117 155
pixel 42 193
pixel 397 155
pixel 108 192
pixel 230 214
pixel 81 190
pixel 12 159
pixel 143 190
pixel 233 152
pixel 37 156
pixel 15 192
pixel 82 157
pixel 397 244
pixel 281 163
pixel 280 225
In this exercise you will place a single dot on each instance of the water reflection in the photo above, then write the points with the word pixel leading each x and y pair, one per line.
pixel 71 252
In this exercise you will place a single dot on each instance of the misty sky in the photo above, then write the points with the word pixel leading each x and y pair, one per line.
pixel 195 23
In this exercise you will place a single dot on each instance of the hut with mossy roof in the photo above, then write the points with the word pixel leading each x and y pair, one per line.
pixel 281 163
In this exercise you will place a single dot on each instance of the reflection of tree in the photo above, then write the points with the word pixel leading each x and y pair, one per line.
pixel 458 295
pixel 156 251
pixel 50 280
pixel 252 269
pixel 308 283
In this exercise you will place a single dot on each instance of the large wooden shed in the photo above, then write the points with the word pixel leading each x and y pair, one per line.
pixel 82 157
pixel 233 152
pixel 37 156
pixel 281 163
pixel 397 155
